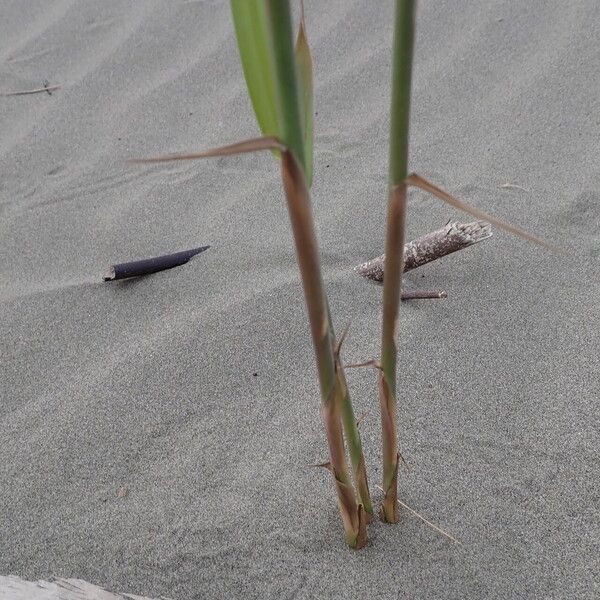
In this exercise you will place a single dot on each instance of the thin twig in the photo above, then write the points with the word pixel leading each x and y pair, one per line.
pixel 323 465
pixel 429 523
pixel 362 418
pixel 513 186
pixel 47 88
pixel 422 295
pixel 404 463
pixel 369 363
pixel 338 348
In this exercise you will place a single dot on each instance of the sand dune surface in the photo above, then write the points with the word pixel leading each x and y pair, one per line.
pixel 155 433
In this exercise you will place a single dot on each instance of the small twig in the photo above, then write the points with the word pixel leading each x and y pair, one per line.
pixel 450 238
pixel 404 463
pixel 362 418
pixel 46 88
pixel 429 523
pixel 338 348
pixel 422 295
pixel 513 186
pixel 323 465
pixel 368 363
pixel 151 265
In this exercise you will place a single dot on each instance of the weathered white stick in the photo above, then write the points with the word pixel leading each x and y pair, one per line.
pixel 451 238
pixel 46 88
pixel 15 588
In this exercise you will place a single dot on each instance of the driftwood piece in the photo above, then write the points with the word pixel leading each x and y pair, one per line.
pixel 151 265
pixel 451 238
pixel 15 588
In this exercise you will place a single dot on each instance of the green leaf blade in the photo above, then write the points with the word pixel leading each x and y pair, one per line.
pixel 251 29
pixel 304 66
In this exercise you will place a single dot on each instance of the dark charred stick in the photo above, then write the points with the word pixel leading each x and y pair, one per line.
pixel 451 238
pixel 151 265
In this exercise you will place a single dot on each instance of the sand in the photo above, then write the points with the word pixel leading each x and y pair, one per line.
pixel 195 388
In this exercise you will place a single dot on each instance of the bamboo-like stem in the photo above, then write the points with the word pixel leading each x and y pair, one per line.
pixel 394 247
pixel 404 26
pixel 387 376
pixel 308 260
pixel 287 91
pixel 299 208
pixel 294 170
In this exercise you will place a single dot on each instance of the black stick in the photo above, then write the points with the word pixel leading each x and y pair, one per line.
pixel 151 265
pixel 448 239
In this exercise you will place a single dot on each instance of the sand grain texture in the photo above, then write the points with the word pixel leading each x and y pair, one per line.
pixel 150 384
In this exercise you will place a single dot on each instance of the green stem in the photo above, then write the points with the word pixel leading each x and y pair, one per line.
pixel 308 261
pixel 293 167
pixel 280 27
pixel 400 110
pixel 404 28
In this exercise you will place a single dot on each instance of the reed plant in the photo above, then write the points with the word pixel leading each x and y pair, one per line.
pixel 279 80
pixel 394 247
pixel 279 77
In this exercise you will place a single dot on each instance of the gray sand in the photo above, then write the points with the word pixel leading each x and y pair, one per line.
pixel 150 384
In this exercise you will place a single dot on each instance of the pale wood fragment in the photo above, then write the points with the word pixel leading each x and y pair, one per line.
pixel 450 238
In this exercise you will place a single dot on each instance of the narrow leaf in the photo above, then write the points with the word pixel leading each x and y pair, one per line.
pixel 418 181
pixel 304 65
pixel 253 145
pixel 251 29
pixel 323 465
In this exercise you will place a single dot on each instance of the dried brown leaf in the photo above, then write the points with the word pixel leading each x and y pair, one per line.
pixel 369 363
pixel 253 145
pixel 341 341
pixel 323 465
pixel 420 182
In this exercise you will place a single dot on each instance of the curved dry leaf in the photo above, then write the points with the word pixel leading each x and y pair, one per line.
pixel 420 182
pixel 252 145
